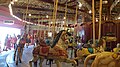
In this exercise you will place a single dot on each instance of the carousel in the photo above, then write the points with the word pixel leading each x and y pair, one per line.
pixel 68 31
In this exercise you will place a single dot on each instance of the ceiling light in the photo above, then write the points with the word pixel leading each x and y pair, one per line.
pixel 119 18
pixel 15 0
pixel 12 2
pixel 96 19
pixel 64 17
pixel 63 22
pixel 80 5
pixel 47 16
pixel 29 14
pixel 90 11
pixel 105 2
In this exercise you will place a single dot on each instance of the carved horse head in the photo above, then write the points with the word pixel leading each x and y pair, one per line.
pixel 61 37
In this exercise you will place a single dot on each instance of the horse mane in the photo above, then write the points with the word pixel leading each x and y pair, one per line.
pixel 57 38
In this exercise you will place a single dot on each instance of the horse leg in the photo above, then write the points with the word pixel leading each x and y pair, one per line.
pixel 58 63
pixel 35 64
pixel 35 59
pixel 17 58
pixel 18 55
pixel 71 61
pixel 15 53
pixel 21 51
pixel 41 61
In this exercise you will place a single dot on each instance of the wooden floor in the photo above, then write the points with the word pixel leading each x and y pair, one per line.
pixel 27 56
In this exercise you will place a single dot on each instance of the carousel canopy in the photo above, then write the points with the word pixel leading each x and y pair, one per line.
pixel 43 9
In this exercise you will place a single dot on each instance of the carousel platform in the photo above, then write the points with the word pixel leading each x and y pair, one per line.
pixel 27 56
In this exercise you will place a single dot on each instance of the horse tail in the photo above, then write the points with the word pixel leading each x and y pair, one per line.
pixel 88 58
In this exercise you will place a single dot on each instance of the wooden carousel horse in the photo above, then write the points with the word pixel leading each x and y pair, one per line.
pixel 83 52
pixel 19 50
pixel 100 46
pixel 104 59
pixel 57 51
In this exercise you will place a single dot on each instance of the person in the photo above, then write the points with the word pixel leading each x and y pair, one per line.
pixel 19 50
pixel 14 40
pixel 6 38
pixel 28 40
pixel 8 45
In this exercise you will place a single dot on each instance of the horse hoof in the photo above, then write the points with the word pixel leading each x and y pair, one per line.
pixel 16 63
pixel 20 61
pixel 14 59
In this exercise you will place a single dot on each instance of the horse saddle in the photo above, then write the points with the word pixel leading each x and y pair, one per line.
pixel 44 50
pixel 91 50
pixel 57 52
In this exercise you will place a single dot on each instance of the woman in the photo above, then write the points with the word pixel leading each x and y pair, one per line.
pixel 6 38
pixel 28 40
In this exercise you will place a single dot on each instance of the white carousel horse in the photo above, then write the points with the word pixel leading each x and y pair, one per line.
pixel 105 59
pixel 57 52
pixel 83 52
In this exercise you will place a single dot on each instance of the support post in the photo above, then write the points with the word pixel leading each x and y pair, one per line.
pixel 100 20
pixel 54 16
pixel 93 21
pixel 65 17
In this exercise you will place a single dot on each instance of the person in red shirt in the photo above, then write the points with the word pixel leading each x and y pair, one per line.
pixel 8 44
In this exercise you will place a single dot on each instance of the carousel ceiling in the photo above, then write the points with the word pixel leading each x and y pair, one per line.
pixel 42 8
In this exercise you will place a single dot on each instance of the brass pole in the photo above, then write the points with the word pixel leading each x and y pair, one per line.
pixel 49 25
pixel 53 24
pixel 100 19
pixel 54 16
pixel 27 9
pixel 76 14
pixel 42 25
pixel 93 20
pixel 56 6
pixel 38 25
pixel 75 32
pixel 65 16
pixel 23 19
pixel 26 14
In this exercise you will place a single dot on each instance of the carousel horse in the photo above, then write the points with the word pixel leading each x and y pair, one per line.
pixel 98 48
pixel 117 49
pixel 19 50
pixel 105 59
pixel 57 51
pixel 91 49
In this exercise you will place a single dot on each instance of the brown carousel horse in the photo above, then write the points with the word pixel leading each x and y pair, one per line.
pixel 57 51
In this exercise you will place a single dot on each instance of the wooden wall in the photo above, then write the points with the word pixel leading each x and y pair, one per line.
pixel 106 27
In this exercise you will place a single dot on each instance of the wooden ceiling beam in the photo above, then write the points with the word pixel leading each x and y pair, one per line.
pixel 63 5
pixel 69 1
pixel 39 9
pixel 114 4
